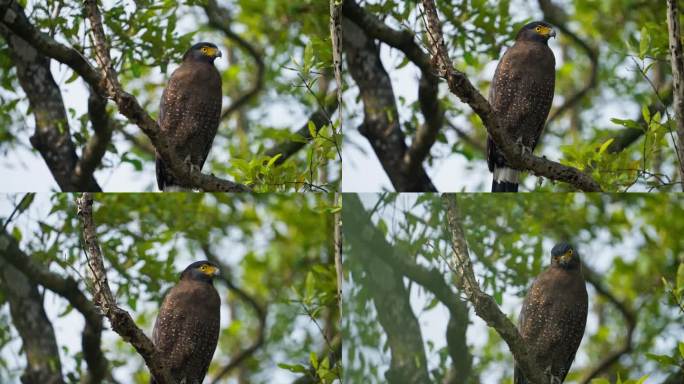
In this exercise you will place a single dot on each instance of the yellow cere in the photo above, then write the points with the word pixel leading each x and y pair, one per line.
pixel 208 269
pixel 209 51
pixel 543 30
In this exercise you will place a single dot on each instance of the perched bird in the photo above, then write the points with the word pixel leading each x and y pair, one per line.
pixel 189 111
pixel 521 93
pixel 554 314
pixel 187 327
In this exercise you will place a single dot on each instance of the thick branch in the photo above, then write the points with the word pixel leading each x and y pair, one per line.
pixel 96 147
pixel 485 306
pixel 220 19
pixel 677 62
pixel 129 107
pixel 381 125
pixel 67 288
pixel 366 236
pixel 462 87
pixel 121 321
pixel 403 40
pixel 247 352
pixel 43 365
pixel 390 297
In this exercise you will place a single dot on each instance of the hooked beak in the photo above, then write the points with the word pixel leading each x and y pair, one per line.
pixel 552 33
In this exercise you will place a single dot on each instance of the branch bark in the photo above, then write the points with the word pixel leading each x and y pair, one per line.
pixel 428 87
pixel 462 87
pixel 677 63
pixel 67 288
pixel 363 235
pixel 121 321
pixel 39 344
pixel 386 287
pixel 484 305
pixel 381 125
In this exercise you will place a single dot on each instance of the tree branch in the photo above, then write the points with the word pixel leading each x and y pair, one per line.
pixel 39 344
pixel 129 107
pixel 121 321
pixel 677 63
pixel 368 237
pixel 220 19
pixel 390 297
pixel 485 306
pixel 428 87
pixel 96 147
pixel 381 125
pixel 460 86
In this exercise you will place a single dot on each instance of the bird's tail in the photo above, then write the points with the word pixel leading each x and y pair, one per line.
pixel 505 179
pixel 165 181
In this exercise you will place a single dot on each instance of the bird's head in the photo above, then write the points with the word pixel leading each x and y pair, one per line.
pixel 200 271
pixel 538 31
pixel 204 52
pixel 565 256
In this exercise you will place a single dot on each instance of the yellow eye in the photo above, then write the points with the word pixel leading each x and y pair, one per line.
pixel 203 267
pixel 570 252
pixel 538 29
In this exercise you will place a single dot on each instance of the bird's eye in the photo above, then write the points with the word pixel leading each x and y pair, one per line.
pixel 204 49
pixel 538 29
pixel 570 252
pixel 203 268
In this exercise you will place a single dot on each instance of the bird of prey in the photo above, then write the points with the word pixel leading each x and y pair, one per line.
pixel 187 327
pixel 189 111
pixel 521 94
pixel 554 314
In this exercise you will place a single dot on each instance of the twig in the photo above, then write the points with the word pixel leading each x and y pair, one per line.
pixel 121 321
pixel 484 305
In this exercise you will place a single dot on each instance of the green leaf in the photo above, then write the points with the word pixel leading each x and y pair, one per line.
pixel 297 368
pixel 312 129
pixel 662 359
pixel 680 278
pixel 646 113
pixel 681 349
pixel 605 146
pixel 644 43
pixel 313 359
pixel 600 380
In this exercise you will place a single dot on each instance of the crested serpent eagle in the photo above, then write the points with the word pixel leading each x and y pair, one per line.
pixel 189 111
pixel 187 327
pixel 554 314
pixel 521 93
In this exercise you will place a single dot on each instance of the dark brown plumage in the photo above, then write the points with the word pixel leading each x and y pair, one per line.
pixel 190 110
pixel 554 315
pixel 521 93
pixel 187 327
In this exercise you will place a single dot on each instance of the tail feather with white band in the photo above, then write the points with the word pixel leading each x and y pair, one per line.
pixel 505 179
